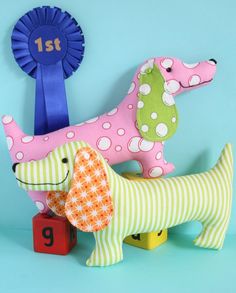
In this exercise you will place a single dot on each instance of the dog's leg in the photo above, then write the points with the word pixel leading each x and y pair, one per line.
pixel 154 170
pixel 153 163
pixel 108 249
pixel 212 236
pixel 214 228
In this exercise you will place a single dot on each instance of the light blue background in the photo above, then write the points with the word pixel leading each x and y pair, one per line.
pixel 119 36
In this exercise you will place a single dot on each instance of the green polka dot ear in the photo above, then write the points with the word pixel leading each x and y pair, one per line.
pixel 157 115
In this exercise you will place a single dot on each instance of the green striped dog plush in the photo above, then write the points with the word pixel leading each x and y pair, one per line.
pixel 96 199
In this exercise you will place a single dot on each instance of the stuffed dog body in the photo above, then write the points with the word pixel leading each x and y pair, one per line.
pixel 97 199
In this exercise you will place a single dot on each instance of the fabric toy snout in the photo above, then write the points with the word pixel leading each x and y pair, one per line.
pixel 213 60
pixel 180 76
pixel 14 167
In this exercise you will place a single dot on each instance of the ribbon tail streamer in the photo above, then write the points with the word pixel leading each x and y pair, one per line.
pixel 40 116
pixel 51 103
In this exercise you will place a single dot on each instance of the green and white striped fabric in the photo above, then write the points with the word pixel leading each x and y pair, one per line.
pixel 145 206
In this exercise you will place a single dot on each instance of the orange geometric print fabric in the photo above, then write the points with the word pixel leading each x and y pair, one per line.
pixel 56 201
pixel 89 204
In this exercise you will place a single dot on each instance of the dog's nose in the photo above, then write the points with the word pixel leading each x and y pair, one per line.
pixel 14 167
pixel 213 60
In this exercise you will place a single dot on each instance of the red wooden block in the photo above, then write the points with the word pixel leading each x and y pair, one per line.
pixel 53 234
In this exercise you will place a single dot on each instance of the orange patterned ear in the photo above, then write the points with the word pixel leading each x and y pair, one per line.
pixel 89 204
pixel 56 202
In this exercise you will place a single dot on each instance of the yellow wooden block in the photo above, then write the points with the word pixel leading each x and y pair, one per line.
pixel 145 240
pixel 133 176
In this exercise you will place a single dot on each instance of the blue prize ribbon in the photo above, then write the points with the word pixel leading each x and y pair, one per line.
pixel 48 45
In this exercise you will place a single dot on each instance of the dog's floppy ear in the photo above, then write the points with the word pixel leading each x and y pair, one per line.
pixel 157 116
pixel 89 204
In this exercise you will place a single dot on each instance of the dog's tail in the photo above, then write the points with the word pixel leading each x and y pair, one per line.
pixel 222 174
pixel 225 164
pixel 220 178
pixel 13 134
pixel 10 127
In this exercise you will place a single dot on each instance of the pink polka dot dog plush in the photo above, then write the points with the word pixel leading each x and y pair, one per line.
pixel 135 130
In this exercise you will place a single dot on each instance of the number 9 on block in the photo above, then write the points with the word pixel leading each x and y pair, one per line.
pixel 54 235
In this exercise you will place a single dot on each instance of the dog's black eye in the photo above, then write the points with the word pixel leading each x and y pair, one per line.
pixel 64 160
pixel 168 69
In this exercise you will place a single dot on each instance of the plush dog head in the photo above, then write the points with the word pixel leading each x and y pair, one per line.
pixel 180 76
pixel 160 80
pixel 80 170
